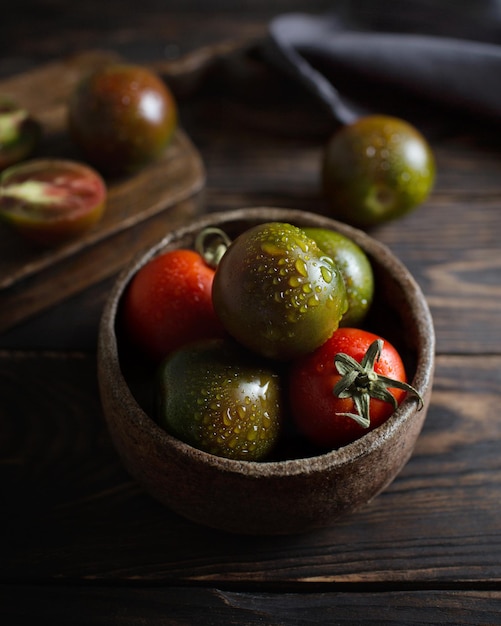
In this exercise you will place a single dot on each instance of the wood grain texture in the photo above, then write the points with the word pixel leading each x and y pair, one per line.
pixel 125 606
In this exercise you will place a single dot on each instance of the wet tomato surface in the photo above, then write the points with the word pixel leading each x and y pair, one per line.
pixel 376 169
pixel 355 268
pixel 221 399
pixel 169 303
pixel 277 293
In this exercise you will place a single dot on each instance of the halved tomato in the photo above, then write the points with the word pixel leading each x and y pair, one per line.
pixel 51 200
pixel 20 133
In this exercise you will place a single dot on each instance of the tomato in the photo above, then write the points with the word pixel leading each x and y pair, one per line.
pixel 335 401
pixel 169 303
pixel 122 117
pixel 356 270
pixel 19 133
pixel 51 200
pixel 220 399
pixel 376 169
pixel 277 293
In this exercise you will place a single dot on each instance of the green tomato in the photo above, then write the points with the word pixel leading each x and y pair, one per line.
pixel 277 292
pixel 221 399
pixel 355 268
pixel 376 169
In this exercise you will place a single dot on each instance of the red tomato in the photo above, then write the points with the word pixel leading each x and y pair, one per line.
pixel 330 421
pixel 169 303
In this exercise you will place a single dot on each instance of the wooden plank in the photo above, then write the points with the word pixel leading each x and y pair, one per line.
pixel 131 605
pixel 176 176
pixel 71 513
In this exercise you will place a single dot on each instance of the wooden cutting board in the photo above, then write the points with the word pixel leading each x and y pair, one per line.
pixel 139 209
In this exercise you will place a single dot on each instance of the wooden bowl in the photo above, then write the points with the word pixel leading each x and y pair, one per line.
pixel 279 496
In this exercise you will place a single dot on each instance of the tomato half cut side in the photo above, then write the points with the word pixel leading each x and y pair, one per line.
pixel 49 201
pixel 20 133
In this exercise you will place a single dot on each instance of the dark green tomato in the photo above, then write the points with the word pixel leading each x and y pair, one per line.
pixel 376 169
pixel 355 268
pixel 277 293
pixel 19 134
pixel 221 399
pixel 122 117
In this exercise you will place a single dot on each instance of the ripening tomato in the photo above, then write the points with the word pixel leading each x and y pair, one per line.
pixel 169 303
pixel 49 201
pixel 376 169
pixel 277 292
pixel 355 267
pixel 347 387
pixel 122 117
pixel 219 398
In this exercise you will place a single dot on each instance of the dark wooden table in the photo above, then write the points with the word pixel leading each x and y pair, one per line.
pixel 80 543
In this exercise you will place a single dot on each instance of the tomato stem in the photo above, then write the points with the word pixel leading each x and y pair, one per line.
pixel 211 243
pixel 360 382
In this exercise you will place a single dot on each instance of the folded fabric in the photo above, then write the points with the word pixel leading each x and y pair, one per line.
pixel 322 53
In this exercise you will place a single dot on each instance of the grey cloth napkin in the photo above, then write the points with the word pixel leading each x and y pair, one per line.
pixel 335 61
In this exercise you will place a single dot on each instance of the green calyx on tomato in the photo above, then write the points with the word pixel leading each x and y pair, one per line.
pixel 336 399
pixel 19 133
pixel 277 293
pixel 376 169
pixel 220 399
pixel 354 266
pixel 361 383
pixel 51 200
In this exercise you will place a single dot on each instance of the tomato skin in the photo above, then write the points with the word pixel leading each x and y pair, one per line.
pixel 122 117
pixel 376 169
pixel 221 399
pixel 168 303
pixel 277 293
pixel 312 379
pixel 356 270
pixel 49 201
